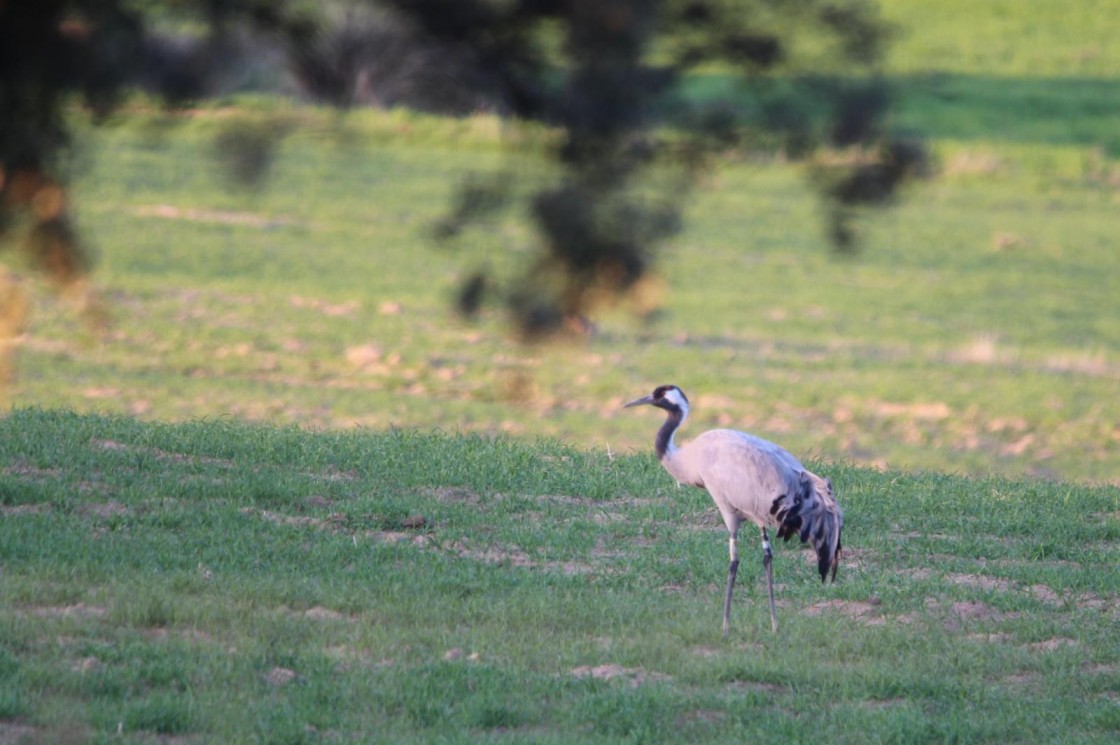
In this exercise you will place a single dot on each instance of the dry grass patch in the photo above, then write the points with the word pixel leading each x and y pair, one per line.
pixel 86 664
pixel 758 686
pixel 974 163
pixel 514 556
pixel 701 716
pixel 319 613
pixel 1042 593
pixel 1049 645
pixel 1022 680
pixel 866 611
pixel 77 610
pixel 882 703
pixel 24 509
pixel 996 637
pixel 192 635
pixel 958 614
pixel 980 581
pixel 214 217
pixel 278 518
pixel 451 494
pixel 105 444
pixel 1100 669
pixel 14 733
pixel 105 510
pixel 23 470
pixel 635 676
pixel 279 677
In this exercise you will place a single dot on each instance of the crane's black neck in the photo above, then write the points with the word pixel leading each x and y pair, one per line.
pixel 664 441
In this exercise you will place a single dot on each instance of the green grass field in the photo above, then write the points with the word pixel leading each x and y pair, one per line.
pixel 216 582
pixel 971 334
pixel 292 498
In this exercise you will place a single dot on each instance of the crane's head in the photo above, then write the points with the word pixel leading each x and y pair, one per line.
pixel 667 397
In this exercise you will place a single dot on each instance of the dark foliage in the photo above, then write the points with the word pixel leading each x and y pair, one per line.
pixel 611 86
pixel 598 236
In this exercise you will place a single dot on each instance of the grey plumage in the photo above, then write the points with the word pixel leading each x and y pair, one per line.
pixel 750 479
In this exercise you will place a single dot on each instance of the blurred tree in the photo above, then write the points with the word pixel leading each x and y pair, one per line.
pixel 609 74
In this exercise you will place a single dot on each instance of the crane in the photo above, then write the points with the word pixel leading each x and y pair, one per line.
pixel 750 479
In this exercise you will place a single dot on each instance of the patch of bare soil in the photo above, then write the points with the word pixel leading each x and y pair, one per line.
pixel 882 703
pixel 160 454
pixel 758 686
pixel 703 716
pixel 333 310
pixel 513 556
pixel 866 611
pixel 576 501
pixel 195 636
pixel 278 518
pixel 280 676
pixel 919 574
pixel 24 470
pixel 992 638
pixel 397 536
pixel 956 615
pixel 24 509
pixel 456 653
pixel 978 580
pixel 337 523
pixel 86 664
pixel 1022 679
pixel 1042 593
pixel 910 535
pixel 332 473
pixel 1099 669
pixel 319 613
pixel 1035 563
pixel 67 611
pixel 452 494
pixel 1046 594
pixel 852 558
pixel 14 733
pixel 105 510
pixel 219 217
pixel 635 676
pixel 974 609
pixel 704 651
pixel 603 517
pixel 348 656
pixel 1049 645
pixel 971 162
pixel 317 501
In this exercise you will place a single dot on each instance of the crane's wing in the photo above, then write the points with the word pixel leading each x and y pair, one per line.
pixel 811 513
pixel 748 476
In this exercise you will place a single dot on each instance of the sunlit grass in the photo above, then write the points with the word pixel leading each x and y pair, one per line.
pixel 1040 39
pixel 969 335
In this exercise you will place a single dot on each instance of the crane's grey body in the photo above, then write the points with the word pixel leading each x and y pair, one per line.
pixel 750 479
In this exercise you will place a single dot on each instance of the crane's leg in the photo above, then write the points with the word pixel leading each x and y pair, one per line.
pixel 767 560
pixel 732 568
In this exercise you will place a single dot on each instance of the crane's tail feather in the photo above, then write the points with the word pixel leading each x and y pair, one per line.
pixel 813 515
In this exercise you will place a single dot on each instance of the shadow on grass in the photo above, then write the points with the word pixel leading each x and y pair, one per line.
pixel 1052 111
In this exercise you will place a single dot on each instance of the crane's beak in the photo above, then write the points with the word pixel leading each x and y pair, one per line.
pixel 639 402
